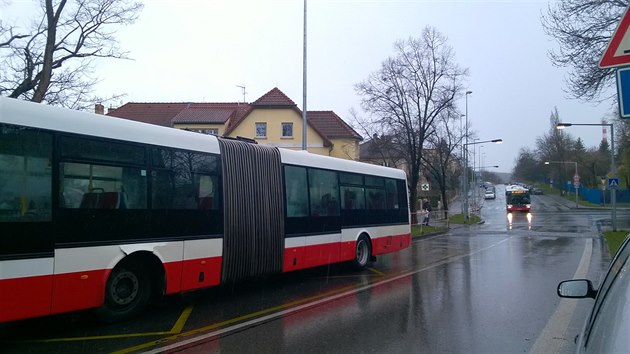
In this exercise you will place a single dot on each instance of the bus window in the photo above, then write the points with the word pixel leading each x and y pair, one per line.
pixel 324 192
pixel 88 186
pixel 184 180
pixel 350 178
pixel 375 198
pixel 402 194
pixel 97 150
pixel 391 194
pixel 25 174
pixel 374 181
pixel 296 191
pixel 352 198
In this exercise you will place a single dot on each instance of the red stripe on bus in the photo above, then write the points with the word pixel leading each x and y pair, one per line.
pixel 78 290
pixel 315 255
pixel 201 273
pixel 28 297
pixel 25 297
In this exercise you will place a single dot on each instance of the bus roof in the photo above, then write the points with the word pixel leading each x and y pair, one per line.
pixel 515 187
pixel 313 160
pixel 38 115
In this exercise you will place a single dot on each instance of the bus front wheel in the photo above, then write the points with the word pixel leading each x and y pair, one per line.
pixel 363 252
pixel 127 292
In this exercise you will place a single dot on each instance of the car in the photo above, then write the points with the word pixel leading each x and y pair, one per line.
pixel 536 191
pixel 608 324
pixel 490 194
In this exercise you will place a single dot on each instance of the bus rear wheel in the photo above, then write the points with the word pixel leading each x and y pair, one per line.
pixel 127 292
pixel 363 252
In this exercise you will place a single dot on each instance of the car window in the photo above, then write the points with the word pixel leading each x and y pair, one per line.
pixel 611 311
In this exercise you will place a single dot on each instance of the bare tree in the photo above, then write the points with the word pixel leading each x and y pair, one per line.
pixel 583 28
pixel 440 158
pixel 527 166
pixel 52 60
pixel 410 91
pixel 556 144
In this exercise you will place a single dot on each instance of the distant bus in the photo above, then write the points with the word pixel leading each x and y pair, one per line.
pixel 517 198
pixel 107 213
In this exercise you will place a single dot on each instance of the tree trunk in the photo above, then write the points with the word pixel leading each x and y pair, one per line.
pixel 51 36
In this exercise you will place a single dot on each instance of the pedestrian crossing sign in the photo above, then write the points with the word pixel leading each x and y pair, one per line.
pixel 613 183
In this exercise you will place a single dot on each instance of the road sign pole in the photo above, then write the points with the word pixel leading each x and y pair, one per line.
pixel 613 170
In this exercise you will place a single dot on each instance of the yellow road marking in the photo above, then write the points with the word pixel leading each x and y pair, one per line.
pixel 376 271
pixel 233 321
pixel 181 321
pixel 177 328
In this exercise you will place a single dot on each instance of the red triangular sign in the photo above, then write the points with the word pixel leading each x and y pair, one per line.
pixel 618 50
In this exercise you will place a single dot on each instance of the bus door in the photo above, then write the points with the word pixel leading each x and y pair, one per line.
pixel 26 241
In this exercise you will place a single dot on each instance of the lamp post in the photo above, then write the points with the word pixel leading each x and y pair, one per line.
pixel 465 152
pixel 462 157
pixel 576 174
pixel 613 168
pixel 304 144
pixel 496 141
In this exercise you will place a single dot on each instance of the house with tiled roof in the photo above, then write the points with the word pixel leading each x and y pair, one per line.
pixel 273 119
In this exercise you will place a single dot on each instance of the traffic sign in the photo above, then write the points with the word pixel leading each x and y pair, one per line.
pixel 576 178
pixel 613 183
pixel 425 187
pixel 618 50
pixel 623 91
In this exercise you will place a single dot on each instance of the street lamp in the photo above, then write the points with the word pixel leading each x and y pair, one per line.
pixel 496 141
pixel 574 181
pixel 465 152
pixel 613 168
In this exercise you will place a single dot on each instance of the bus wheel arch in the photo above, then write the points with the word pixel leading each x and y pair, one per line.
pixel 363 252
pixel 132 284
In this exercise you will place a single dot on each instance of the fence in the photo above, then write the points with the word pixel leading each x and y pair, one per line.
pixel 437 218
pixel 599 196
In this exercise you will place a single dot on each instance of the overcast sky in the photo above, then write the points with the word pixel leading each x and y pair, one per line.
pixel 189 50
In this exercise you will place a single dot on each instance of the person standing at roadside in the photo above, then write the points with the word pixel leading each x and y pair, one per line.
pixel 426 210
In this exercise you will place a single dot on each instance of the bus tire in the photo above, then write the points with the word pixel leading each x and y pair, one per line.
pixel 127 292
pixel 362 253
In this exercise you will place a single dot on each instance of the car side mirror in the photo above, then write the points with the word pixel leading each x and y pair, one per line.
pixel 576 289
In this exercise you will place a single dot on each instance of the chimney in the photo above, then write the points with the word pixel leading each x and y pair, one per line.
pixel 99 109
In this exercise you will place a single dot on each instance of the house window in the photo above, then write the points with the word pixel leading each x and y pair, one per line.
pixel 210 131
pixel 261 130
pixel 287 130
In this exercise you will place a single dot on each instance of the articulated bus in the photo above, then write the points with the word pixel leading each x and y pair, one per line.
pixel 517 198
pixel 110 214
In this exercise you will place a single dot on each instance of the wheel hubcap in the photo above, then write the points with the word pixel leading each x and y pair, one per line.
pixel 124 288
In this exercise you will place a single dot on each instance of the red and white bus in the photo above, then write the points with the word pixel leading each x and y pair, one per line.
pixel 517 198
pixel 107 213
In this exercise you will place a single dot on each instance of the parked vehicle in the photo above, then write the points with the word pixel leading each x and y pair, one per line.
pixel 608 324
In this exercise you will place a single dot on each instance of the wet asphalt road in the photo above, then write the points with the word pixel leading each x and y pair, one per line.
pixel 488 288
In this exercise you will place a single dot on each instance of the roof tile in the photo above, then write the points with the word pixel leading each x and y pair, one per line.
pixel 331 125
pixel 275 97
